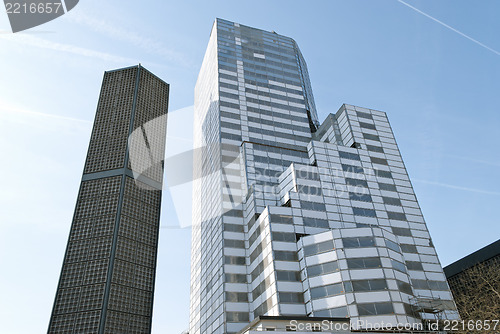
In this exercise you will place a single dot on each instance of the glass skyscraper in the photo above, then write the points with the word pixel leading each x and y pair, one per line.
pixel 108 273
pixel 293 218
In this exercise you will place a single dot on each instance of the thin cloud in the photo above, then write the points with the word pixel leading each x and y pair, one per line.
pixel 479 191
pixel 6 107
pixel 449 27
pixel 484 162
pixel 146 44
pixel 31 40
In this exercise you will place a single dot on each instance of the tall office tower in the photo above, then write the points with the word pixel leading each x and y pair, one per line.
pixel 108 273
pixel 292 219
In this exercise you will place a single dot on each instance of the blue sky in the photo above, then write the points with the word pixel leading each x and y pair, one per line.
pixel 439 88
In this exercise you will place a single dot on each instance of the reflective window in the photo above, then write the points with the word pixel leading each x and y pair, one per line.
pixel 392 245
pixel 237 316
pixel 366 285
pixel 348 155
pixel 236 296
pixel 398 266
pixel 379 161
pixel 364 212
pixel 404 287
pixel 360 197
pixel 396 215
pixel 352 169
pixel 321 247
pixel 291 297
pixel 290 276
pixel 285 256
pixel 407 248
pixel 371 137
pixel 327 290
pixel 414 265
pixel 391 201
pixel 375 308
pixel 312 206
pixel 322 269
pixel 315 222
pixel 387 186
pixel 367 126
pixel 358 242
pixel 405 232
pixel 364 263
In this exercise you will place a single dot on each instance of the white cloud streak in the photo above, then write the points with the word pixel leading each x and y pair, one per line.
pixel 31 40
pixel 449 27
pixel 146 44
pixel 6 107
pixel 450 186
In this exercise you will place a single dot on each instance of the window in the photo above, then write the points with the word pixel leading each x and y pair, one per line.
pixel 259 289
pixel 364 263
pixel 315 222
pixel 236 278
pixel 375 308
pixel 237 316
pixel 312 206
pixel 288 276
pixel 375 148
pixel 281 219
pixel 352 169
pixel 234 243
pixel 401 231
pixel 232 227
pixel 392 245
pixel 356 182
pixel 338 312
pixel 322 269
pixel 391 201
pixel 404 287
pixel 283 236
pixel 379 161
pixel 407 248
pixel 321 247
pixel 360 197
pixel 358 242
pixel 291 297
pixel 348 155
pixel 327 290
pixel 366 285
pixel 367 126
pixel 371 137
pixel 236 297
pixel 398 266
pixel 364 212
pixel 414 265
pixel 383 173
pixel 285 256
pixel 429 285
pixel 387 186
pixel 258 250
pixel 238 260
pixel 364 115
pixel 396 215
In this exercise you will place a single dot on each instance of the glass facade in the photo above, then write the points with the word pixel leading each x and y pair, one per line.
pixel 107 279
pixel 295 218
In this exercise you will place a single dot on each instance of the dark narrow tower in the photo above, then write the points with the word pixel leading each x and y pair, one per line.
pixel 108 274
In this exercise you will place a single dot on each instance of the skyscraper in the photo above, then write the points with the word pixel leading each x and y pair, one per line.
pixel 108 273
pixel 296 219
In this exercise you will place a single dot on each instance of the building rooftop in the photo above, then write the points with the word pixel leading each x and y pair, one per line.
pixel 470 260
